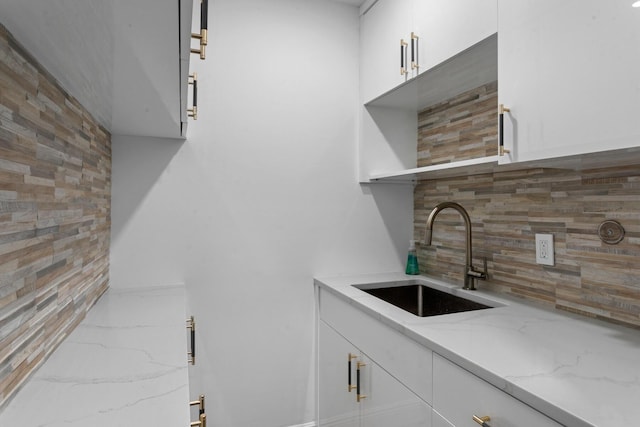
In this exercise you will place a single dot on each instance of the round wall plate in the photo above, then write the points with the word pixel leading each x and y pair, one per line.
pixel 611 232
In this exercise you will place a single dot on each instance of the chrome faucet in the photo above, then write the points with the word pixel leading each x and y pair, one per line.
pixel 470 273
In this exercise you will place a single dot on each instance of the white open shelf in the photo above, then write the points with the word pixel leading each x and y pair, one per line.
pixel 390 115
pixel 467 167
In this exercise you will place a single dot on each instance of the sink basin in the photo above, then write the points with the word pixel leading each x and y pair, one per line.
pixel 422 300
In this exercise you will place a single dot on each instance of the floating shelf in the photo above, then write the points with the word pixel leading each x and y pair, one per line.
pixel 443 170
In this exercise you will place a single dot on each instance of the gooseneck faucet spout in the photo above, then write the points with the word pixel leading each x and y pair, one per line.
pixel 470 273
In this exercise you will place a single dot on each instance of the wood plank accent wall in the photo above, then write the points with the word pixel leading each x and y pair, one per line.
pixel 507 209
pixel 55 214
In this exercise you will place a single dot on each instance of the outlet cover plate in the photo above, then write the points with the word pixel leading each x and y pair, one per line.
pixel 544 249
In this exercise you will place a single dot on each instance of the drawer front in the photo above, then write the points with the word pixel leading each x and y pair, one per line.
pixel 458 395
pixel 403 358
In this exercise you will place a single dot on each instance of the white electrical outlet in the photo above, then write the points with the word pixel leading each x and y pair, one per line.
pixel 544 249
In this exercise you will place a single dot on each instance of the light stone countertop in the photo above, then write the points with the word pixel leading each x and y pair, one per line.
pixel 124 365
pixel 578 371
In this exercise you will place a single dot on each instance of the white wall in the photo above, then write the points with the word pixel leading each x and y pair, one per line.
pixel 262 197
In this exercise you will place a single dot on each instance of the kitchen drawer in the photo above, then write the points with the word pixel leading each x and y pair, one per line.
pixel 458 395
pixel 403 358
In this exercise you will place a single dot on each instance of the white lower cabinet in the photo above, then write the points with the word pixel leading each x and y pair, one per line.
pixel 404 359
pixel 401 383
pixel 382 401
pixel 458 395
pixel 337 400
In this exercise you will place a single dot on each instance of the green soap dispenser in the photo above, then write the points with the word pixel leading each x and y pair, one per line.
pixel 412 260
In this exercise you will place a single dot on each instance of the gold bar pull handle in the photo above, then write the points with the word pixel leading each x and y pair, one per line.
pixel 191 325
pixel 203 36
pixel 483 421
pixel 199 403
pixel 193 112
pixel 350 387
pixel 359 396
pixel 414 51
pixel 202 422
pixel 502 110
pixel 200 51
pixel 403 57
pixel 204 19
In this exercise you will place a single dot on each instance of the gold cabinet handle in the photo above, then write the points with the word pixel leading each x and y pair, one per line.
pixel 193 112
pixel 191 325
pixel 199 403
pixel 359 396
pixel 483 421
pixel 350 387
pixel 202 422
pixel 201 51
pixel 502 110
pixel 414 51
pixel 403 59
pixel 204 17
pixel 202 417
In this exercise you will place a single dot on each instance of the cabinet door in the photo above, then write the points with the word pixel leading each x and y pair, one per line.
pixel 388 401
pixel 459 395
pixel 381 29
pixel 406 360
pixel 337 401
pixel 446 28
pixel 385 401
pixel 570 74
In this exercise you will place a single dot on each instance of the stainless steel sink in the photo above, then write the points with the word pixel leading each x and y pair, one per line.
pixel 422 300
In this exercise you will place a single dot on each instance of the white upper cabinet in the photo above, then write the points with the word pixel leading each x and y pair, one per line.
pixel 569 72
pixel 448 27
pixel 381 30
pixel 127 62
pixel 454 50
pixel 441 29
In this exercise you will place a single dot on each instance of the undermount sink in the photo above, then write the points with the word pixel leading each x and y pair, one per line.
pixel 422 300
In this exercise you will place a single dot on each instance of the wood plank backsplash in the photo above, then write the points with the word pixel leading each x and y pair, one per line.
pixel 460 128
pixel 55 213
pixel 507 209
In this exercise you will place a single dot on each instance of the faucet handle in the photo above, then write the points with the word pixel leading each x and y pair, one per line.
pixel 479 274
pixel 476 274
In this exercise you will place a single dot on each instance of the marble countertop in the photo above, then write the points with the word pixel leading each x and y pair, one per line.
pixel 124 365
pixel 578 371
